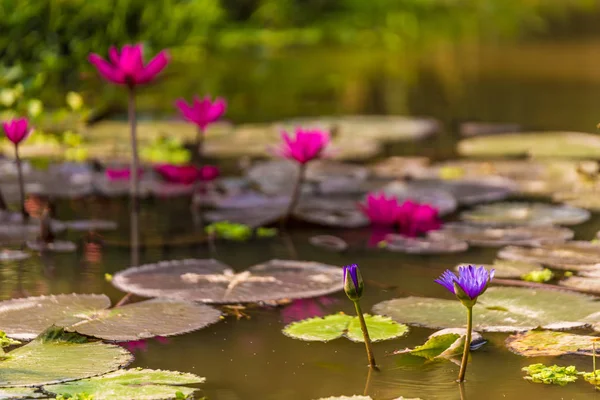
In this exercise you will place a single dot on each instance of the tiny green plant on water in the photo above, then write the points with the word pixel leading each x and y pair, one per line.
pixel 553 375
pixel 542 276
pixel 354 287
pixel 238 232
pixel 5 341
pixel 470 283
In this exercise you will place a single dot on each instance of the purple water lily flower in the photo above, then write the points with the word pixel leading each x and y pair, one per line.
pixel 353 283
pixel 472 280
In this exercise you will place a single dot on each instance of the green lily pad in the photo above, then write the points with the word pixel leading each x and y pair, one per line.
pixel 571 256
pixel 517 213
pixel 500 309
pixel 139 384
pixel 19 393
pixel 554 375
pixel 88 315
pixel 338 325
pixel 537 144
pixel 549 343
pixel 56 357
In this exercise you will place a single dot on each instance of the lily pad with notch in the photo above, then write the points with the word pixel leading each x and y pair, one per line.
pixel 89 315
pixel 210 281
pixel 572 255
pixel 518 213
pixel 501 309
pixel 544 343
pixel 139 384
pixel 330 327
pixel 56 357
pixel 477 235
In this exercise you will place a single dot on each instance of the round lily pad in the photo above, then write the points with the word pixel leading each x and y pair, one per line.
pixel 477 235
pixel 441 199
pixel 139 384
pixel 500 309
pixel 470 192
pixel 537 144
pixel 514 213
pixel 573 255
pixel 26 318
pixel 510 269
pixel 210 281
pixel 56 357
pixel 549 343
pixel 429 245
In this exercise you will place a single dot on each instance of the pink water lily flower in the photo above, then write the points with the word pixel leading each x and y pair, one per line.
pixel 187 174
pixel 380 209
pixel 415 219
pixel 16 130
pixel 120 174
pixel 126 67
pixel 306 145
pixel 202 112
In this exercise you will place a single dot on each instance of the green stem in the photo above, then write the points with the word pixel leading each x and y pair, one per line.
pixel 134 188
pixel 295 194
pixel 21 184
pixel 465 357
pixel 365 331
pixel 200 146
pixel 594 357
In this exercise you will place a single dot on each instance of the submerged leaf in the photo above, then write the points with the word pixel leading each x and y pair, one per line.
pixel 437 345
pixel 139 384
pixel 56 357
pixel 554 375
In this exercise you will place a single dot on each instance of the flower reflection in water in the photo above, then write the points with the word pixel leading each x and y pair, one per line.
pixel 142 345
pixel 306 308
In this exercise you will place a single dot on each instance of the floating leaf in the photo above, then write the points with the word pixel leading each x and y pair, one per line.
pixel 470 192
pixel 441 199
pixel 553 375
pixel 590 285
pixel 91 225
pixel 58 246
pixel 210 281
pixel 19 393
pixel 355 397
pixel 437 345
pixel 501 309
pixel 329 242
pixel 592 377
pixel 13 255
pixel 573 256
pixel 514 213
pixel 5 341
pixel 139 384
pixel 338 325
pixel 549 343
pixel 403 244
pixel 56 357
pixel 509 269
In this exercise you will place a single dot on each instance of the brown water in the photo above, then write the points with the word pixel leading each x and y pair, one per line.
pixel 548 82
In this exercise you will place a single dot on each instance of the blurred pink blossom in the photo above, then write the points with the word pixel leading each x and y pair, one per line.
pixel 202 112
pixel 16 130
pixel 305 146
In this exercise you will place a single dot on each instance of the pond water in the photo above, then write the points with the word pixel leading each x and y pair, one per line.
pixel 547 82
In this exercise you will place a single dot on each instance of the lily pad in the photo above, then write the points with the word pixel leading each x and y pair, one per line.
pixel 403 244
pixel 510 269
pixel 329 242
pixel 20 393
pixel 399 167
pixel 139 384
pixel 210 281
pixel 91 225
pixel 355 397
pixel 470 192
pixel 57 246
pixel 441 199
pixel 88 315
pixel 252 216
pixel 514 213
pixel 56 357
pixel 339 218
pixel 573 256
pixel 338 325
pixel 549 343
pixel 590 285
pixel 501 309
pixel 537 144
pixel 502 236
pixel 475 128
pixel 13 255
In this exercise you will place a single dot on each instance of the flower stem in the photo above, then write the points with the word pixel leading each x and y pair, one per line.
pixel 3 205
pixel 365 331
pixel 134 189
pixel 200 146
pixel 594 357
pixel 21 184
pixel 295 194
pixel 467 348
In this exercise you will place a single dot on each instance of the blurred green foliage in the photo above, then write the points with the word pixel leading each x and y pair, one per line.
pixel 168 150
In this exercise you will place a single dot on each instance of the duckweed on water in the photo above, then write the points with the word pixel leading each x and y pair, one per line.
pixel 539 276
pixel 554 375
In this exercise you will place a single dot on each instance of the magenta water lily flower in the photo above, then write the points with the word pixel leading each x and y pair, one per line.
pixel 16 130
pixel 473 281
pixel 187 174
pixel 415 219
pixel 380 209
pixel 126 67
pixel 202 112
pixel 304 146
pixel 121 174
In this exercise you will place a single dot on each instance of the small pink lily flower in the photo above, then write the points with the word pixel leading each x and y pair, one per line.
pixel 415 219
pixel 121 174
pixel 127 66
pixel 381 210
pixel 16 130
pixel 202 112
pixel 305 146
pixel 187 174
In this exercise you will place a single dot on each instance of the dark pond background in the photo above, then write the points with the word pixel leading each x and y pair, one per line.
pixel 545 80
